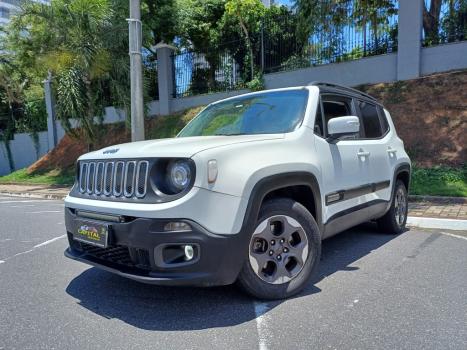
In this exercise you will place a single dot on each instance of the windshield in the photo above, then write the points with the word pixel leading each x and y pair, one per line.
pixel 264 113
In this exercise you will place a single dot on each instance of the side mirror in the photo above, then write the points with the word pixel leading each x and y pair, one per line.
pixel 343 126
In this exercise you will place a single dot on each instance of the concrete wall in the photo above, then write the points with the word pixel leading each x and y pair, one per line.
pixel 23 151
pixel 443 58
pixel 366 70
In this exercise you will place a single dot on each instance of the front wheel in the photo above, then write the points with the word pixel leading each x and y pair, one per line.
pixel 395 219
pixel 283 252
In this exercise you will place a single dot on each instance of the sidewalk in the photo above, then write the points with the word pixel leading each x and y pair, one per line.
pixel 419 206
pixel 438 207
pixel 35 191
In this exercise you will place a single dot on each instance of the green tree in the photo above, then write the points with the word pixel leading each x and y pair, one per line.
pixel 201 30
pixel 249 14
pixel 80 43
pixel 161 19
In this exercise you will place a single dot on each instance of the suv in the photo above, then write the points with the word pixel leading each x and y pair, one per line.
pixel 246 191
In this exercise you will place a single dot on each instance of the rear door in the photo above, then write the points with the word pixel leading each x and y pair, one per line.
pixel 376 139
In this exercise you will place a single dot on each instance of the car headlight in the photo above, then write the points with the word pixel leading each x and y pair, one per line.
pixel 172 176
pixel 179 175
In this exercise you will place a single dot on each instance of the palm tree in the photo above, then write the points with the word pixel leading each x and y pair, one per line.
pixel 79 42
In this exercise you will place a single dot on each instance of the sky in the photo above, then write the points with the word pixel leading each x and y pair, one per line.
pixel 284 2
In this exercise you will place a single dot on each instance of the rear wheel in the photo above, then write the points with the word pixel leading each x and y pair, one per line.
pixel 283 251
pixel 395 219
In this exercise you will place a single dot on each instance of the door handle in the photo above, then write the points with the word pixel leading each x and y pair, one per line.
pixel 392 151
pixel 362 153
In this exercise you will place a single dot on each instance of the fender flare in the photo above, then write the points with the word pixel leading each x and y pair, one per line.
pixel 400 168
pixel 278 181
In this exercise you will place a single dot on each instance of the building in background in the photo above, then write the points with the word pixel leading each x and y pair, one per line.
pixel 9 7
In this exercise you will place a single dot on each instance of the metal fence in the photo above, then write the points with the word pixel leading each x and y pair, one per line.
pixel 452 24
pixel 199 73
pixel 339 31
pixel 150 77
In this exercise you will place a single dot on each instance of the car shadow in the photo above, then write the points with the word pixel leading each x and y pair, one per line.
pixel 187 308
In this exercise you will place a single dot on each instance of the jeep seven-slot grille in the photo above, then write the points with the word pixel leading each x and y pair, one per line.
pixel 115 178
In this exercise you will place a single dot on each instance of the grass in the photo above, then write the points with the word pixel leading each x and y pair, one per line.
pixel 52 177
pixel 439 181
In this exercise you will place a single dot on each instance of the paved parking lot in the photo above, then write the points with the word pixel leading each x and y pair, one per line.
pixel 372 291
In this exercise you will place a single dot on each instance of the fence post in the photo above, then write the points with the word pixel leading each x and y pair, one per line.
pixel 409 39
pixel 50 106
pixel 165 76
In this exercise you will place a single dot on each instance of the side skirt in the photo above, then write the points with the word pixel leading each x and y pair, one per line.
pixel 353 216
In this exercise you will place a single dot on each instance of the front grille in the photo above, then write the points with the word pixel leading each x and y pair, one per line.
pixel 117 254
pixel 119 178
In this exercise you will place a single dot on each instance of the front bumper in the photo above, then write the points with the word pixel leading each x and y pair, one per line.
pixel 135 247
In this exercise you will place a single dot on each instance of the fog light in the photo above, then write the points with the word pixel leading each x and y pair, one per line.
pixel 177 226
pixel 189 252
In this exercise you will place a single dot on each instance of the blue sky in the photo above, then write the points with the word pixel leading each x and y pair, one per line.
pixel 284 2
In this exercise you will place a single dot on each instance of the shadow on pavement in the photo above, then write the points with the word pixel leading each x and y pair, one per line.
pixel 184 308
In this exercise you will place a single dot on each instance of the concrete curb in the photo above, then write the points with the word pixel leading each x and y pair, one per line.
pixel 437 223
pixel 34 195
pixel 437 199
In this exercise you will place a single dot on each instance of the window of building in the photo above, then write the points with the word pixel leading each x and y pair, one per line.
pixel 4 12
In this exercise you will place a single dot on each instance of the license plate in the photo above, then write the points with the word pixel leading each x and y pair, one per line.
pixel 91 232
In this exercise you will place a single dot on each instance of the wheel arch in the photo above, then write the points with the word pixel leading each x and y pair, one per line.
pixel 294 185
pixel 401 172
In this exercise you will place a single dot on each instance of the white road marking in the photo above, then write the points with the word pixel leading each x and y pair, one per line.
pixel 45 211
pixel 35 247
pixel 453 235
pixel 261 325
pixel 2 261
pixel 48 242
pixel 26 201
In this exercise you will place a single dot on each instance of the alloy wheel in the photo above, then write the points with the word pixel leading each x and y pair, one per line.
pixel 400 207
pixel 278 249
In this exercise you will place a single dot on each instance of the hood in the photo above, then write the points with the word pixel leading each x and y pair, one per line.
pixel 182 147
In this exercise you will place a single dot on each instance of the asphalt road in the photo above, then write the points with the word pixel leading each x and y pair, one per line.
pixel 373 291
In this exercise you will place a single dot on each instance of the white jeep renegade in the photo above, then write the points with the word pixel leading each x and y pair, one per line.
pixel 246 192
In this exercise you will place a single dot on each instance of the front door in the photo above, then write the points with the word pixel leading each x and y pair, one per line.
pixel 345 163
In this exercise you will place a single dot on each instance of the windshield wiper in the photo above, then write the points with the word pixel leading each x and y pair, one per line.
pixel 231 134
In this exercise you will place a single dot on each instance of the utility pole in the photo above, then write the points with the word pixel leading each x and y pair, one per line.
pixel 136 73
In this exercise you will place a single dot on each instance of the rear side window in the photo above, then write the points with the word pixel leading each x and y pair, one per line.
pixel 384 120
pixel 370 119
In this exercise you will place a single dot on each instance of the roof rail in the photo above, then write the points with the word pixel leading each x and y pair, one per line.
pixel 341 87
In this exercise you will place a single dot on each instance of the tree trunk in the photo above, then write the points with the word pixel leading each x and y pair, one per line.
pixel 431 20
pixel 250 48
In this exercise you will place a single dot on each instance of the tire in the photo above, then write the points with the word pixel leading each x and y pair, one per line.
pixel 388 223
pixel 273 232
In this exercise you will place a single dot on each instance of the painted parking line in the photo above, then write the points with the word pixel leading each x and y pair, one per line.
pixel 45 211
pixel 28 201
pixel 34 248
pixel 261 324
pixel 453 235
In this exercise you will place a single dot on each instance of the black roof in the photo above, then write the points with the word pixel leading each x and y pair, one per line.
pixel 331 86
